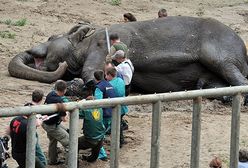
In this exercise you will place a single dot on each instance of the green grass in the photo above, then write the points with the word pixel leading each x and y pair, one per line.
pixel 21 22
pixel 7 34
pixel 115 2
pixel 7 22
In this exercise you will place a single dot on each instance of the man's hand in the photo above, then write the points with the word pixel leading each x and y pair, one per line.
pixel 66 117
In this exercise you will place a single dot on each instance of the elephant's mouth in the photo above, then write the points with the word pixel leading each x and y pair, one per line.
pixel 39 63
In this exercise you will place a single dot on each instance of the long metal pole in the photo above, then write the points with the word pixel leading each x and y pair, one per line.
pixel 235 130
pixel 115 137
pixel 107 38
pixel 196 133
pixel 31 141
pixel 130 100
pixel 156 128
pixel 73 137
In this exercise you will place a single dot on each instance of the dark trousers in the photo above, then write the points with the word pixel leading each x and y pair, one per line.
pixel 21 160
pixel 94 145
pixel 128 88
pixel 121 132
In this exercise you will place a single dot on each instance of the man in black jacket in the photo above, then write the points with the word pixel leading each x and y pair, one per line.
pixel 55 131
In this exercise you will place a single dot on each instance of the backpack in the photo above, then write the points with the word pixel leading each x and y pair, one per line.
pixel 3 151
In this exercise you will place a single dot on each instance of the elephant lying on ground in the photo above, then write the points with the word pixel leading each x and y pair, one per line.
pixel 169 54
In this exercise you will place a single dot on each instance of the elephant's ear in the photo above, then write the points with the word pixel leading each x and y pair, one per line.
pixel 81 33
pixel 39 51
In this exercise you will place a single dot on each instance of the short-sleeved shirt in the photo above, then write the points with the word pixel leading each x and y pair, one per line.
pixel 243 165
pixel 93 127
pixel 52 98
pixel 115 47
pixel 126 69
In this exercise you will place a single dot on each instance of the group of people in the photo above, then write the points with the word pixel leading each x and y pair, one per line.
pixel 113 81
pixel 242 163
pixel 129 17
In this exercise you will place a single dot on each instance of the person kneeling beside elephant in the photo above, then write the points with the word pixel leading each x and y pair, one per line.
pixel 93 129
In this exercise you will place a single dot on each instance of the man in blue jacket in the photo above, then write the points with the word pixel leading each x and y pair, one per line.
pixel 104 90
pixel 119 88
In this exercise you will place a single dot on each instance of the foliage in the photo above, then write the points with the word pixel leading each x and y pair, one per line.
pixel 21 22
pixel 7 22
pixel 7 34
pixel 115 2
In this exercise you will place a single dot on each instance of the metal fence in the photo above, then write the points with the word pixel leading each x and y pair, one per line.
pixel 156 100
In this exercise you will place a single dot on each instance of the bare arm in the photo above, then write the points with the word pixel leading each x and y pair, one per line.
pixel 108 57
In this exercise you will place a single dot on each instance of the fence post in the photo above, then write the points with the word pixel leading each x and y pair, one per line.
pixel 31 141
pixel 73 139
pixel 235 130
pixel 155 141
pixel 115 137
pixel 196 133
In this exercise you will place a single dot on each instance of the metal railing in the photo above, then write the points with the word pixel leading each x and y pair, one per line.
pixel 156 100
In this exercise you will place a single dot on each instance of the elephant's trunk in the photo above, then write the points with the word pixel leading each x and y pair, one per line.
pixel 18 68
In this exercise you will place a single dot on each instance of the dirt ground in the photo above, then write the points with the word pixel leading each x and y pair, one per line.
pixel 48 17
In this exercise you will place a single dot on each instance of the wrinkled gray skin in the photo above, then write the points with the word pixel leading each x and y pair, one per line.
pixel 169 54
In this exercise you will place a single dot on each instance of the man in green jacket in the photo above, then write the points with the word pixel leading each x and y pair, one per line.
pixel 93 130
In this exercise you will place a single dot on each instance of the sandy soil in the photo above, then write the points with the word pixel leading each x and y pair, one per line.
pixel 48 17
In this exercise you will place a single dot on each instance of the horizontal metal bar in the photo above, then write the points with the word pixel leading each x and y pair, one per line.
pixel 130 100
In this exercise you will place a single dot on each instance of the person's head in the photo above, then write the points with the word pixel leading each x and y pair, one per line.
pixel 108 64
pixel 99 75
pixel 119 56
pixel 243 155
pixel 110 73
pixel 37 96
pixel 129 17
pixel 215 163
pixel 162 13
pixel 60 87
pixel 114 37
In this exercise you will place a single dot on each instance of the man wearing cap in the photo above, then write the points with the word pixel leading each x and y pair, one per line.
pixel 116 45
pixel 125 68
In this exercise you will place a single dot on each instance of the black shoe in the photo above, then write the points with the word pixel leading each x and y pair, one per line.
pixel 124 124
pixel 122 143
pixel 125 127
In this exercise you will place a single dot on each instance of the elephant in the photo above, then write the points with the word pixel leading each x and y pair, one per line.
pixel 175 53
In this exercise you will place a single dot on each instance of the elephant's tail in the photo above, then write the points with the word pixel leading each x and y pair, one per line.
pixel 18 68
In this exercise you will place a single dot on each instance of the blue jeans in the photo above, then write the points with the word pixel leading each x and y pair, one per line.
pixel 39 153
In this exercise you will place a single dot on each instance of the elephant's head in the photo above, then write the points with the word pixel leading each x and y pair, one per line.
pixel 49 61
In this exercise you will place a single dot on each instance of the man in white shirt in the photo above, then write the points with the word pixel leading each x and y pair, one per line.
pixel 243 158
pixel 125 68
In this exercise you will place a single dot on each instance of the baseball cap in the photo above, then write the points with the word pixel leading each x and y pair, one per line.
pixel 118 54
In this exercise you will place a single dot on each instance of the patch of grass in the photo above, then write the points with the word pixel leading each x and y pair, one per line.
pixel 243 143
pixel 115 2
pixel 7 22
pixel 7 34
pixel 21 22
pixel 225 160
